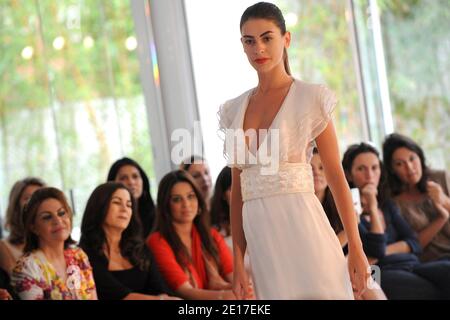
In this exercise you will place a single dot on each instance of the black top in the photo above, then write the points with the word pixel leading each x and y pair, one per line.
pixel 116 285
pixel 6 284
pixel 147 216
pixel 4 279
pixel 397 229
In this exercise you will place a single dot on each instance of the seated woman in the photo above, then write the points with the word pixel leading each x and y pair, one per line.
pixel 325 197
pixel 386 236
pixel 52 268
pixel 111 236
pixel 220 205
pixel 198 168
pixel 193 258
pixel 220 210
pixel 130 173
pixel 11 248
pixel 421 193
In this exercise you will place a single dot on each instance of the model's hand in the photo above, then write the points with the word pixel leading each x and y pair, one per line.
pixel 359 271
pixel 241 285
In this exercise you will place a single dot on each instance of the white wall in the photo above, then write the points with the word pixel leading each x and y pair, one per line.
pixel 221 69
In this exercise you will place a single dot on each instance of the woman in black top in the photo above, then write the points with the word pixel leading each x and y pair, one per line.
pixel 130 173
pixel 5 287
pixel 111 236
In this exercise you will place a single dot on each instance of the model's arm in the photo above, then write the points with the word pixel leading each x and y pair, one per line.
pixel 329 153
pixel 240 281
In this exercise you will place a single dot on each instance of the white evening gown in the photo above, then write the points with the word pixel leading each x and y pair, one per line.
pixel 294 252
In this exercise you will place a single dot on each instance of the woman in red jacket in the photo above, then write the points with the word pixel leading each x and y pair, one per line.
pixel 192 257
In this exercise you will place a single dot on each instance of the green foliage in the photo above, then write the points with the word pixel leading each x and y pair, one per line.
pixel 416 37
pixel 321 52
pixel 66 115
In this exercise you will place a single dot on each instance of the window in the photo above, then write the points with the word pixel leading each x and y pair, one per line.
pixel 414 46
pixel 417 48
pixel 71 101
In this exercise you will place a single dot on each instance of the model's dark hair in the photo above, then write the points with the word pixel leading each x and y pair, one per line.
pixel 220 210
pixel 391 143
pixel 164 221
pixel 186 163
pixel 145 204
pixel 14 213
pixel 132 245
pixel 347 162
pixel 267 11
pixel 329 206
pixel 30 212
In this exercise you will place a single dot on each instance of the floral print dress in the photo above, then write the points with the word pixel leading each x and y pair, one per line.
pixel 34 277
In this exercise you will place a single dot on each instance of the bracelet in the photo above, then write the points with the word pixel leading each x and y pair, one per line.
pixel 221 293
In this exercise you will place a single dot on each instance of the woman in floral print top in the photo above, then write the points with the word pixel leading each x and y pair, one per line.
pixel 52 268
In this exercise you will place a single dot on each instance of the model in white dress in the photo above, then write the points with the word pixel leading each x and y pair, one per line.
pixel 294 252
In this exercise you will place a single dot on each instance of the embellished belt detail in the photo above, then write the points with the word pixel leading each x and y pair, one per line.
pixel 290 178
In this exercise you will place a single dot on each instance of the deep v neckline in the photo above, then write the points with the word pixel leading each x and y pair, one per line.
pixel 246 104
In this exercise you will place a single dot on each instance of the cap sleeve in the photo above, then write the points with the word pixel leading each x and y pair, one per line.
pixel 225 121
pixel 227 115
pixel 326 102
pixel 224 117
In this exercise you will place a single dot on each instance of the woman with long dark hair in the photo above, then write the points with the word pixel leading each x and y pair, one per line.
pixel 220 204
pixel 323 193
pixel 192 256
pixel 131 174
pixel 387 238
pixel 111 236
pixel 274 211
pixel 198 168
pixel 422 194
